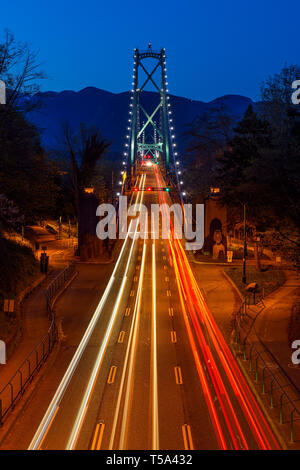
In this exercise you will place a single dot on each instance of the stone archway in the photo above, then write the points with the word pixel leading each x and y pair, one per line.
pixel 214 225
pixel 215 228
pixel 216 236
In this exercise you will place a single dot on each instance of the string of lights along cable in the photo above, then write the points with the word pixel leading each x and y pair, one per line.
pixel 150 127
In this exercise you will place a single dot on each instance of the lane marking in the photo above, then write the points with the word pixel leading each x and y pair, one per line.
pixel 96 370
pixel 135 278
pixel 178 375
pixel 154 382
pixel 187 437
pixel 171 312
pixel 46 422
pixel 168 293
pixel 127 311
pixel 98 436
pixel 128 364
pixel 173 336
pixel 165 267
pixel 121 337
pixel 132 293
pixel 164 258
pixel 112 375
pixel 167 279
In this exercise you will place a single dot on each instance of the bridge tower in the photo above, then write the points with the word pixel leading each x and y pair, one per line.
pixel 149 127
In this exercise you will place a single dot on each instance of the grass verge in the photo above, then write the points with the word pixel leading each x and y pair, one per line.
pixel 268 279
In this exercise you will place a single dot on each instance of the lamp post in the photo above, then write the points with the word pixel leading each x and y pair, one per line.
pixel 245 248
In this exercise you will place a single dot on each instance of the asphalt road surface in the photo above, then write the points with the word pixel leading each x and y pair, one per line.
pixel 153 370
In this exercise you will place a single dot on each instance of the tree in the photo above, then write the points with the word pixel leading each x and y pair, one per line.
pixel 284 118
pixel 276 94
pixel 20 71
pixel 261 168
pixel 26 176
pixel 207 137
pixel 85 151
pixel 238 165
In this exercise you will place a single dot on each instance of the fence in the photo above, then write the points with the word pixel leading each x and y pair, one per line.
pixel 273 381
pixel 17 385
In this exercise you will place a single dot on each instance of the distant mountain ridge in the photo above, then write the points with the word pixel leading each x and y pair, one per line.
pixel 109 112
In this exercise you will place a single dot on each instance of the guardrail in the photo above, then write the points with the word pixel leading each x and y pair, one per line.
pixel 17 385
pixel 262 372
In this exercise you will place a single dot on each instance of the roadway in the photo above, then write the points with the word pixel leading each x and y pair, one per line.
pixel 153 370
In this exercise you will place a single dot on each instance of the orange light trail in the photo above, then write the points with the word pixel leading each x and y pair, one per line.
pixel 192 300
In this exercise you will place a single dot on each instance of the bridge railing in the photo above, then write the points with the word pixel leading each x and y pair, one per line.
pixel 19 382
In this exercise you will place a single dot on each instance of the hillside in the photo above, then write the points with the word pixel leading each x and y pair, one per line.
pixel 109 112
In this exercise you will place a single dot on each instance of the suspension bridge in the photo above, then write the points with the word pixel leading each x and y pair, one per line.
pixel 153 370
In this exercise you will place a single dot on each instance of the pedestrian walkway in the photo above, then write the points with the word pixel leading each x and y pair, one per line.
pixel 272 325
pixel 73 312
pixel 34 325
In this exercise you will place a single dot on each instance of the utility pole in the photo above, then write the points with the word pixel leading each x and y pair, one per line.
pixel 245 248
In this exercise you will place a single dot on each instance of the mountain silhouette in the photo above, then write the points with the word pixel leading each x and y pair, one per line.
pixel 109 112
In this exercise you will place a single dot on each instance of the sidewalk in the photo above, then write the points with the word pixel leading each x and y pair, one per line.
pixel 272 325
pixel 34 325
pixel 73 312
pixel 267 325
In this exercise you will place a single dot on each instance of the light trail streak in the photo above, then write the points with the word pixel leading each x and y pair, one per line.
pixel 155 420
pixel 128 363
pixel 52 409
pixel 233 425
pixel 241 389
pixel 204 384
pixel 198 311
pixel 89 390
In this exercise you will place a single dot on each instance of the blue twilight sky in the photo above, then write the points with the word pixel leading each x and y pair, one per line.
pixel 213 47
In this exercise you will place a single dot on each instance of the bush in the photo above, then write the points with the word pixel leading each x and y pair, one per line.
pixel 268 280
pixel 21 269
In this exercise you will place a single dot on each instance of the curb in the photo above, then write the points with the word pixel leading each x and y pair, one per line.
pixel 212 263
pixel 30 288
pixel 95 262
pixel 64 288
pixel 233 285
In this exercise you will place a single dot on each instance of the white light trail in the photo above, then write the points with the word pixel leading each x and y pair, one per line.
pixel 52 409
pixel 155 421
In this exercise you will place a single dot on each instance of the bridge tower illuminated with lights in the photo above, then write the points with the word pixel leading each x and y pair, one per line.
pixel 149 129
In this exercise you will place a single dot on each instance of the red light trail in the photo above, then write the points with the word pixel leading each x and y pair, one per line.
pixel 201 327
